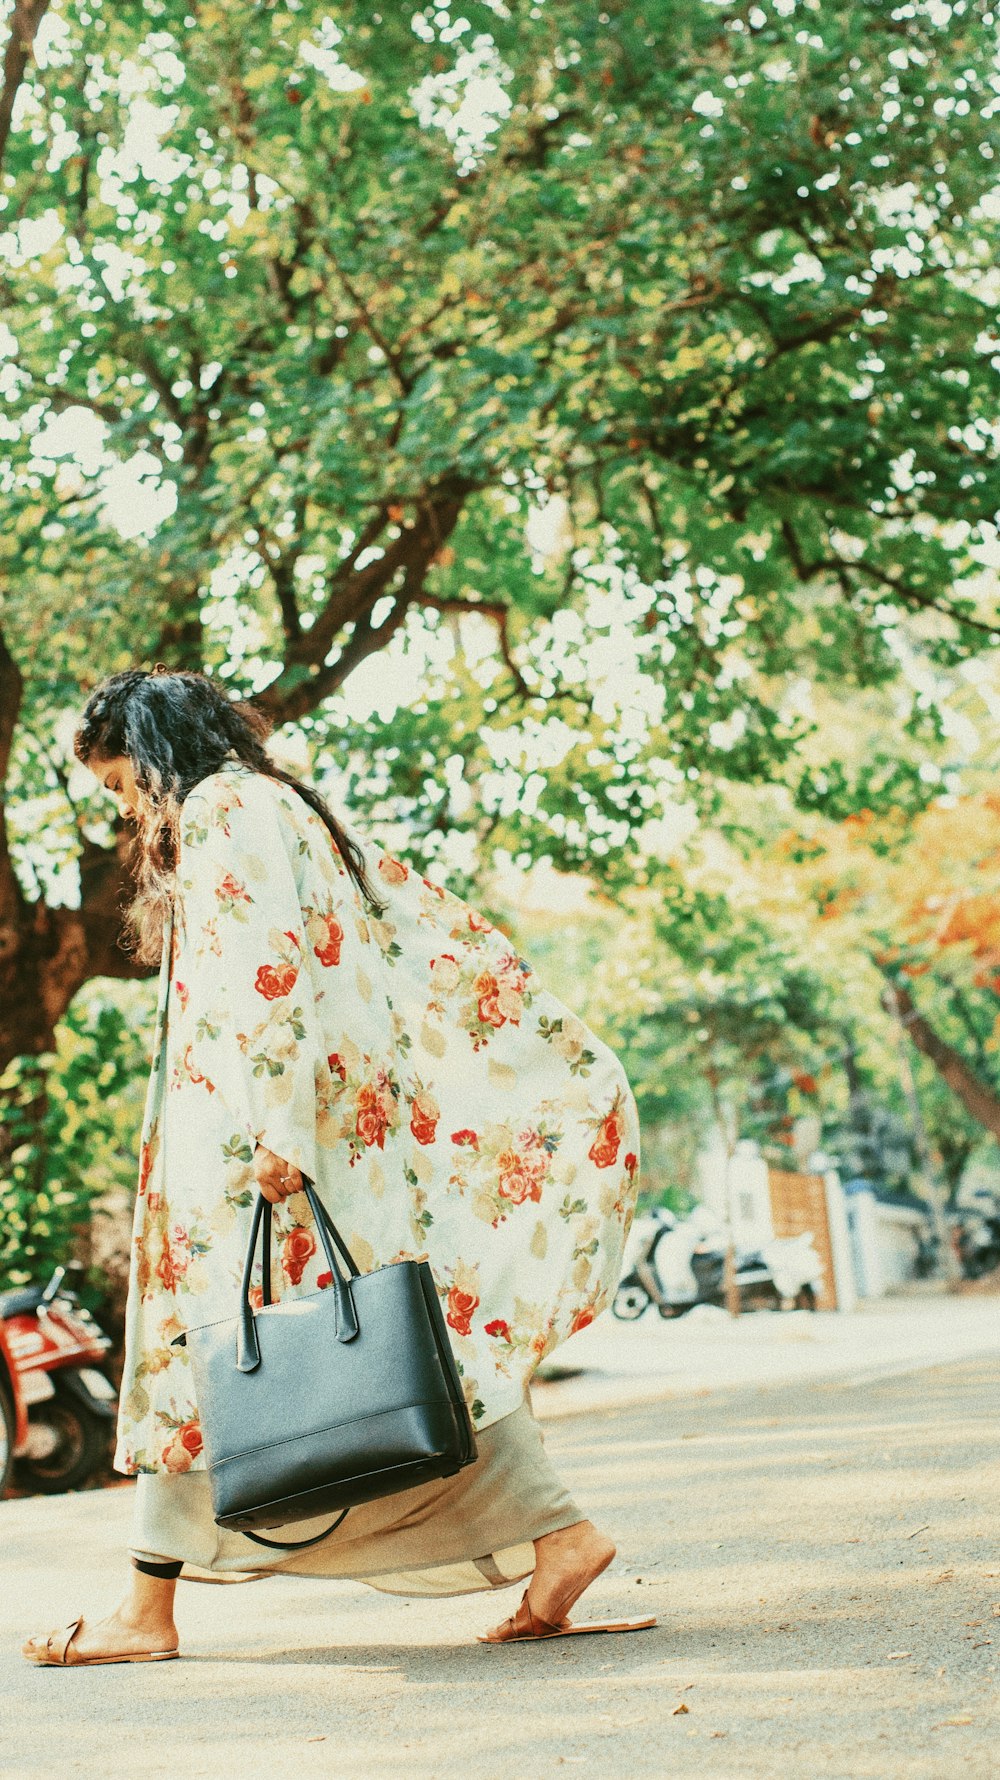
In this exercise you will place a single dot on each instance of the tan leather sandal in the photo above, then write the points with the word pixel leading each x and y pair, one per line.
pixel 525 1626
pixel 57 1652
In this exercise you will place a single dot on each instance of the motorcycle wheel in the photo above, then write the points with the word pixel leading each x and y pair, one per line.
pixel 79 1445
pixel 6 1441
pixel 629 1304
pixel 805 1299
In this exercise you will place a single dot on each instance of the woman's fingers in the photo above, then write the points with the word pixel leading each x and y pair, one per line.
pixel 276 1178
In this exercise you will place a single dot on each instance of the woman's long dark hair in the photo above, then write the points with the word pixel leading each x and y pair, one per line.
pixel 176 729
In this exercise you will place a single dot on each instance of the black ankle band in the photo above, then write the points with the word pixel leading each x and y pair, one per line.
pixel 167 1572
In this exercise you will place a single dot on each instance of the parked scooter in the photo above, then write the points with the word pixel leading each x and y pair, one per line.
pixel 57 1352
pixel 977 1240
pixel 13 1414
pixel 678 1263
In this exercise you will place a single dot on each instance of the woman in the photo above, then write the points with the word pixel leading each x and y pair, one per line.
pixel 326 1013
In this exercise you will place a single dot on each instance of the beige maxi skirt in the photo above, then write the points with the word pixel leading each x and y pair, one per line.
pixel 466 1533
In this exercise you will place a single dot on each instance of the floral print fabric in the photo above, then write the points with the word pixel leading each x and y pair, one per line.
pixel 446 1106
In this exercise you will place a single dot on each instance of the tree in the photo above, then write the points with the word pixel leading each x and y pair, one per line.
pixel 909 905
pixel 305 315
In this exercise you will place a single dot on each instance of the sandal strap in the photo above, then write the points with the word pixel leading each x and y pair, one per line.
pixel 539 1628
pixel 63 1639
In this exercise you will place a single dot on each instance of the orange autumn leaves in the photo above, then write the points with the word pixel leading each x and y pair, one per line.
pixel 922 894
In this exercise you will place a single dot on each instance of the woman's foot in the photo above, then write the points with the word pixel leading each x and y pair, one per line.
pixel 566 1563
pixel 141 1626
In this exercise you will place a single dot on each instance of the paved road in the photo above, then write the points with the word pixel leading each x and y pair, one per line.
pixel 649 1360
pixel 823 1559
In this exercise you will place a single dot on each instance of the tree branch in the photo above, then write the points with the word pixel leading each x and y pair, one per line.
pixel 500 614
pixel 25 20
pixel 978 1098
pixel 371 327
pixel 843 567
pixel 353 591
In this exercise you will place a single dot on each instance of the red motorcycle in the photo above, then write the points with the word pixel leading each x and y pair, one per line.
pixel 13 1414
pixel 58 1407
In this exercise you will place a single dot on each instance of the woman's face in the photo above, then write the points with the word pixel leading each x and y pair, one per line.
pixel 117 776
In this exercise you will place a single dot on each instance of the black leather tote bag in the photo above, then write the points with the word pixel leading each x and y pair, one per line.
pixel 324 1401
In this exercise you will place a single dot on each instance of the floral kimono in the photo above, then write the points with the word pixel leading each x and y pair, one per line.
pixel 444 1104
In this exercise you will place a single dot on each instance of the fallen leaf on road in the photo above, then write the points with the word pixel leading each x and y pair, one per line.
pixel 917 1530
pixel 679 1709
pixel 946 1721
pixel 896 1656
pixel 945 1576
pixel 315 1739
pixel 720 1733
pixel 982 1644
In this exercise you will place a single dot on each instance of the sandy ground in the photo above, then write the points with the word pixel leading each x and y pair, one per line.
pixel 822 1556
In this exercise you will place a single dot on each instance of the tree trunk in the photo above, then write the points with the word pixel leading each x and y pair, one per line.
pixel 24 22
pixel 978 1098
pixel 54 952
pixel 47 954
pixel 933 1191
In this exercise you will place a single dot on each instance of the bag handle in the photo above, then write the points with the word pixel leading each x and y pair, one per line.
pixel 346 1324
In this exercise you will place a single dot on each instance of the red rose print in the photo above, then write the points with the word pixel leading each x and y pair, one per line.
pixel 336 1066
pixel 256 1297
pixel 145 1168
pixel 479 923
pixel 435 887
pixel 168 1272
pixel 275 980
pixel 329 952
pixel 393 870
pixel 324 1279
pixel 603 1151
pixel 190 1438
pixel 176 1457
pixel 582 1319
pixel 460 1308
pixel 499 1327
pixel 299 1244
pixel 424 1119
pixel 603 1155
pixel 486 988
pixel 183 995
pixel 372 1120
pixel 465 1137
pixel 631 1163
pixel 519 1179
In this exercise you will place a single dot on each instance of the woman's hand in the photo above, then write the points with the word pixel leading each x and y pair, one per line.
pixel 276 1179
